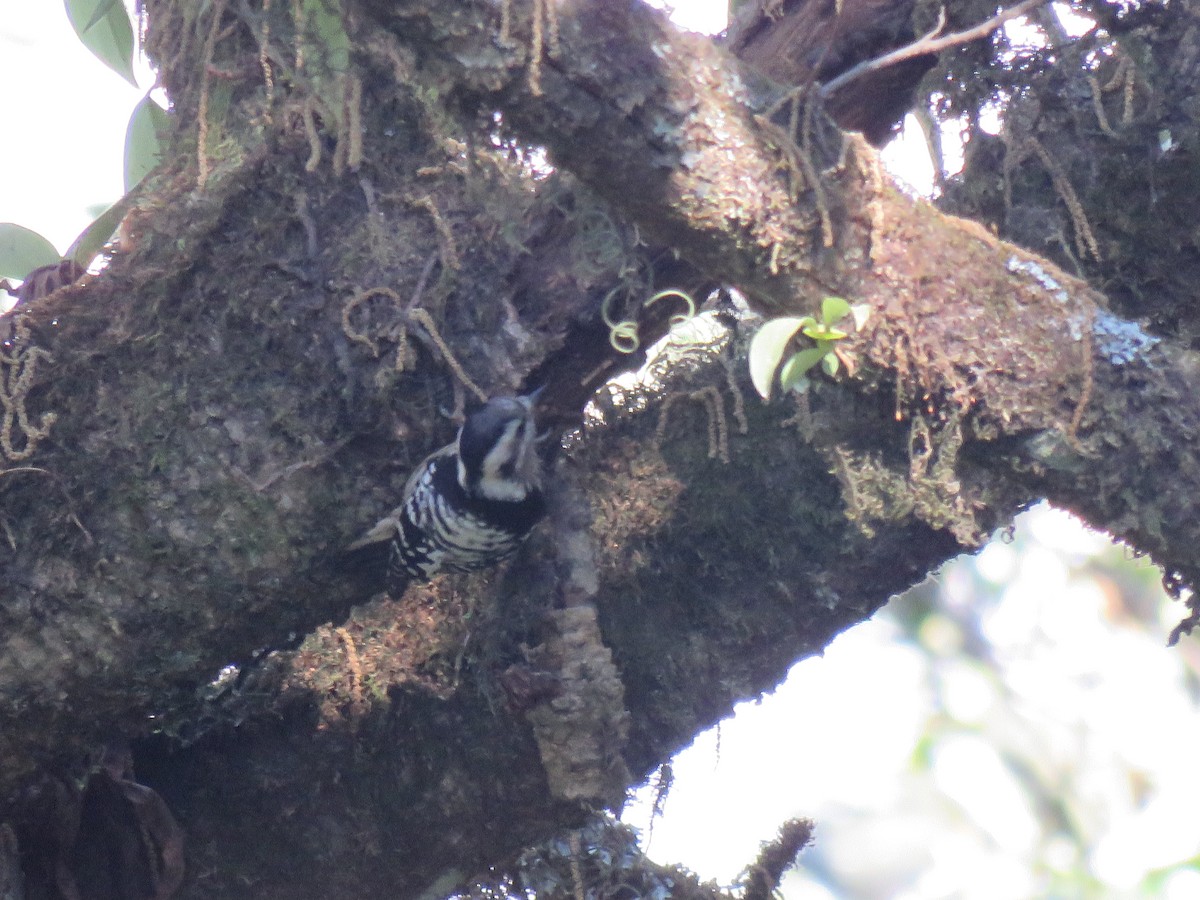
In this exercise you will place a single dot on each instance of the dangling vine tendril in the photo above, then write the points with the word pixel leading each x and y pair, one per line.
pixel 623 334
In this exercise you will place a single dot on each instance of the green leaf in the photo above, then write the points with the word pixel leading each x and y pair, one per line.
pixel 833 309
pixel 143 142
pixel 767 348
pixel 823 333
pixel 93 238
pixel 796 369
pixel 22 251
pixel 829 362
pixel 104 28
pixel 102 10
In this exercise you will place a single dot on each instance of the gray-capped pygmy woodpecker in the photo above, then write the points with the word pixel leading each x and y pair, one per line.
pixel 465 507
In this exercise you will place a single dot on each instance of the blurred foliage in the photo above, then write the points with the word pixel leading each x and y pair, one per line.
pixel 1055 751
pixel 23 250
pixel 104 28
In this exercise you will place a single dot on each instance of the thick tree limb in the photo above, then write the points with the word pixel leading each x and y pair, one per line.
pixel 1023 355
pixel 985 379
pixel 804 45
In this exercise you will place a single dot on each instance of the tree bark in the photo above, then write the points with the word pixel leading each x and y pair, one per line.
pixel 248 383
pixel 1018 350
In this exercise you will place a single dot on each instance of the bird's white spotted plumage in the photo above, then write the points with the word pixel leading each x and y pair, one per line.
pixel 467 506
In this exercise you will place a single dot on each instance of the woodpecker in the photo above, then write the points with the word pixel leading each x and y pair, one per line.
pixel 467 506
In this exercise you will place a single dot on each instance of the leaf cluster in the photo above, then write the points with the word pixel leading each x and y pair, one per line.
pixel 103 27
pixel 777 336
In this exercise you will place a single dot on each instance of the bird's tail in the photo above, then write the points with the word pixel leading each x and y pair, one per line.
pixel 368 564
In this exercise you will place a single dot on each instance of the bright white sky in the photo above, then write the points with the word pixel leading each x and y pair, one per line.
pixel 65 112
pixel 840 733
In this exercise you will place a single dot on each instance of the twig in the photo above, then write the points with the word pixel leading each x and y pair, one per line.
pixel 260 486
pixel 16 469
pixel 426 271
pixel 929 44
pixel 402 359
pixel 423 317
pixel 66 496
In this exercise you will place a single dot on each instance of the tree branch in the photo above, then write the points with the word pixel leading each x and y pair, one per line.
pixel 1007 354
pixel 985 378
pixel 930 44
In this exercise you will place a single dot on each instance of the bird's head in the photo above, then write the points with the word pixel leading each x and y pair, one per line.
pixel 497 456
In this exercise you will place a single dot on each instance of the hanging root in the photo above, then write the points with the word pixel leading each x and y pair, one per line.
pixel 1085 240
pixel 544 40
pixel 210 44
pixel 426 320
pixel 718 421
pixel 408 316
pixel 17 369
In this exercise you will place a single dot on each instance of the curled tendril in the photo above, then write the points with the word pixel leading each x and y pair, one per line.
pixel 678 318
pixel 623 334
